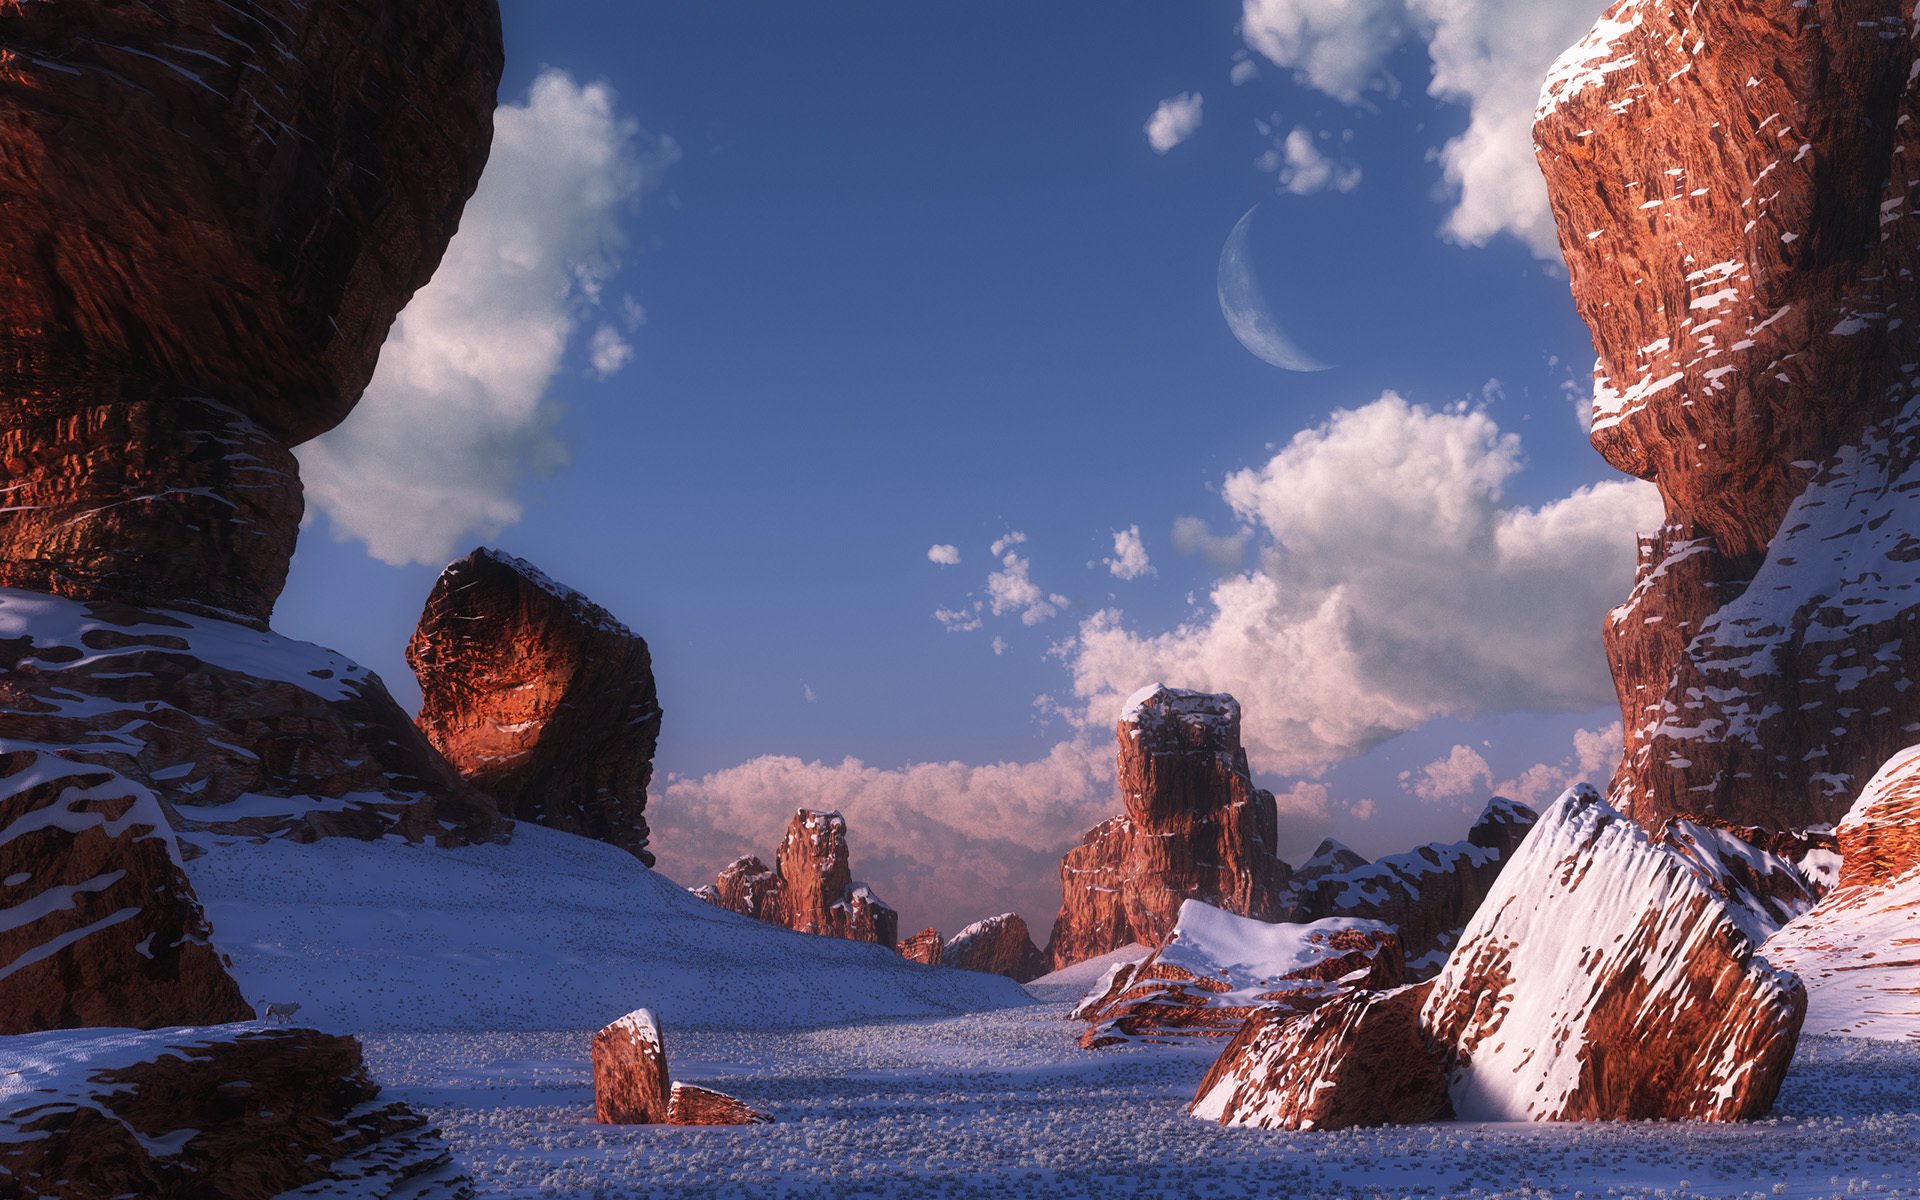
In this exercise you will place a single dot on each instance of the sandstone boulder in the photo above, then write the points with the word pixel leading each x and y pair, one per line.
pixel 214 214
pixel 1602 980
pixel 102 926
pixel 1195 828
pixel 1217 970
pixel 630 1084
pixel 1734 188
pixel 925 947
pixel 691 1105
pixel 231 1113
pixel 999 946
pixel 1361 1058
pixel 1859 949
pixel 539 697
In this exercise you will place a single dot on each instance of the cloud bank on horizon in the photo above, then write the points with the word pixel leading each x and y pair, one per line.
pixel 470 360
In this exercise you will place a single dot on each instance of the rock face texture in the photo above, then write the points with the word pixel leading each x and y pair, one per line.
pixel 926 948
pixel 1195 828
pixel 810 889
pixel 999 946
pixel 631 1087
pixel 210 203
pixel 1359 1059
pixel 1218 970
pixel 238 731
pixel 210 1114
pixel 1426 895
pixel 539 697
pixel 103 927
pixel 1734 188
pixel 630 1084
pixel 1763 890
pixel 1603 981
pixel 1858 950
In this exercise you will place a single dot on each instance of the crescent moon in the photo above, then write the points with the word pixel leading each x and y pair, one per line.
pixel 1245 307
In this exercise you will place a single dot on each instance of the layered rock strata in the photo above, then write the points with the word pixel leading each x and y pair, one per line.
pixel 1427 895
pixel 231 1113
pixel 810 889
pixel 102 925
pixel 1217 970
pixel 539 697
pixel 926 948
pixel 1859 949
pixel 999 946
pixel 1734 189
pixel 1195 828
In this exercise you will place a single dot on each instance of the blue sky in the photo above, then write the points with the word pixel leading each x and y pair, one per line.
pixel 914 276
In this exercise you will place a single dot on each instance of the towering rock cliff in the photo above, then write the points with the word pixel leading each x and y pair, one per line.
pixel 539 697
pixel 1734 187
pixel 810 888
pixel 1195 828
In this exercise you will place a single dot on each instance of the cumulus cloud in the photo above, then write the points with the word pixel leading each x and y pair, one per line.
pixel 1596 752
pixel 1304 169
pixel 944 554
pixel 944 843
pixel 457 416
pixel 1244 69
pixel 1129 559
pixel 1012 590
pixel 1488 55
pixel 1395 585
pixel 1462 773
pixel 1193 538
pixel 1176 120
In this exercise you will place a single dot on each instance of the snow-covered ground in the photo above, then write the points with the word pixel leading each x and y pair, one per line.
pixel 476 978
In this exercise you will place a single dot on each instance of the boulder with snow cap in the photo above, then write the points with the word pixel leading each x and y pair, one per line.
pixel 999 946
pixel 630 1083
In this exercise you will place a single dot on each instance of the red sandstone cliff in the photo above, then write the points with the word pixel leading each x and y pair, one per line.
pixel 539 697
pixel 1733 184
pixel 1195 828
pixel 810 888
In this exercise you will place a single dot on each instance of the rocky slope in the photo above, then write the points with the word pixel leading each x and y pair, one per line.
pixel 539 697
pixel 1859 949
pixel 229 1113
pixel 1733 184
pixel 1195 828
pixel 810 888
pixel 1426 896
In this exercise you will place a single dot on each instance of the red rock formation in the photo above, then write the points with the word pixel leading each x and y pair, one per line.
pixel 1359 1059
pixel 1217 970
pixel 630 1084
pixel 999 946
pixel 238 731
pixel 1859 949
pixel 925 948
pixel 1426 895
pixel 209 1114
pixel 1733 184
pixel 691 1105
pixel 1603 981
pixel 103 927
pixel 206 201
pixel 1763 890
pixel 1195 829
pixel 811 887
pixel 539 697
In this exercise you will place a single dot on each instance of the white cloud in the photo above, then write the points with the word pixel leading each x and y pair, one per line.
pixel 1007 542
pixel 1176 120
pixel 608 352
pixel 1193 538
pixel 999 646
pixel 806 690
pixel 457 418
pixel 1304 169
pixel 1462 773
pixel 944 554
pixel 944 843
pixel 1129 559
pixel 1596 752
pixel 1012 590
pixel 1488 55
pixel 964 619
pixel 1395 586
pixel 1244 69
